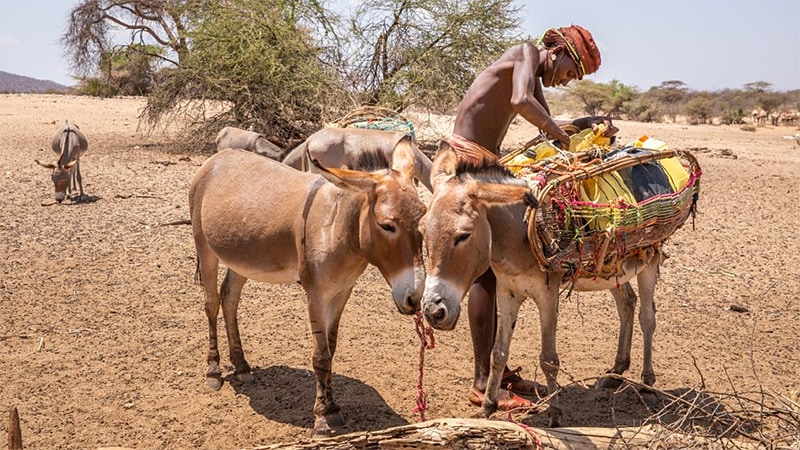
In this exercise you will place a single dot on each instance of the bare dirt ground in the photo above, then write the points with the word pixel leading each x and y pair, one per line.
pixel 104 338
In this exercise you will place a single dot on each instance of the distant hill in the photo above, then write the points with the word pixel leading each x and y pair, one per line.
pixel 10 82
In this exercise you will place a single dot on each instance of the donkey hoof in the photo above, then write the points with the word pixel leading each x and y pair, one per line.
pixel 214 383
pixel 321 430
pixel 488 408
pixel 555 417
pixel 322 434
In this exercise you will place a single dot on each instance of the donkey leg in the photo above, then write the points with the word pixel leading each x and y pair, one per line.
pixel 546 299
pixel 647 319
pixel 231 293
pixel 625 299
pixel 508 305
pixel 324 317
pixel 79 180
pixel 208 265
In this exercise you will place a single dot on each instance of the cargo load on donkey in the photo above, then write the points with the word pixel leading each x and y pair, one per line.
pixel 599 204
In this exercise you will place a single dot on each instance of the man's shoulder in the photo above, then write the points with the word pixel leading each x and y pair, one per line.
pixel 522 46
pixel 519 52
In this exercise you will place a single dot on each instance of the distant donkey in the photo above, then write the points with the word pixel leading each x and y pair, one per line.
pixel 70 144
pixel 232 137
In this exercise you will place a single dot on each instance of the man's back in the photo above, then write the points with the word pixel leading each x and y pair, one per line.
pixel 486 111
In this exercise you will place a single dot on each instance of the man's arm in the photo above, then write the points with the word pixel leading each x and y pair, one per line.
pixel 538 94
pixel 523 94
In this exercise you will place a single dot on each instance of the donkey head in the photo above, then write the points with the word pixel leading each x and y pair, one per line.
pixel 61 177
pixel 389 233
pixel 458 234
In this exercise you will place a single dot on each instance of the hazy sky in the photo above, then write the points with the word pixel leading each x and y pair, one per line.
pixel 709 45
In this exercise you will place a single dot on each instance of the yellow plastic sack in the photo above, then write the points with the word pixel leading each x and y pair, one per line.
pixel 588 138
pixel 536 153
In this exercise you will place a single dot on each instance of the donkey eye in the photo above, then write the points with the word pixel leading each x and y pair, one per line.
pixel 462 237
pixel 388 227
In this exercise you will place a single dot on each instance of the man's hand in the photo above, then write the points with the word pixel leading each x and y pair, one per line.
pixel 562 137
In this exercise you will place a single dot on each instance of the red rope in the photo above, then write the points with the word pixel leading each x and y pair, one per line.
pixel 529 430
pixel 426 341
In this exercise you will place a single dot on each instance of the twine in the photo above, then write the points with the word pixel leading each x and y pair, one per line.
pixel 426 342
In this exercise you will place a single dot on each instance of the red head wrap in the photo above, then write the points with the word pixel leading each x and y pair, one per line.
pixel 579 45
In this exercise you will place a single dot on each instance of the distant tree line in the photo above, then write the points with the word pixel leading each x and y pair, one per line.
pixel 285 67
pixel 674 98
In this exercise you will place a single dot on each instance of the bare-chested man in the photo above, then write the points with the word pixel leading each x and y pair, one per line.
pixel 513 85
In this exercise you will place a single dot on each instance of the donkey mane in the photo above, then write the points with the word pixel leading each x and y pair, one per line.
pixel 370 160
pixel 491 172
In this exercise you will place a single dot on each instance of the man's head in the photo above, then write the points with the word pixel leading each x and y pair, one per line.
pixel 578 43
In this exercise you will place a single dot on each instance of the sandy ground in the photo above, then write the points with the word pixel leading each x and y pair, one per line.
pixel 103 332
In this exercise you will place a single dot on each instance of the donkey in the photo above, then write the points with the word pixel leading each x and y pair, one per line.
pixel 341 147
pixel 268 222
pixel 232 137
pixel 475 221
pixel 69 144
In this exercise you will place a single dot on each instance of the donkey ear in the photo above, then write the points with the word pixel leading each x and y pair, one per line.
pixel 45 165
pixel 403 157
pixel 500 194
pixel 444 164
pixel 348 179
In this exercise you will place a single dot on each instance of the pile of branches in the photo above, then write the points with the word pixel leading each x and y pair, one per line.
pixel 689 418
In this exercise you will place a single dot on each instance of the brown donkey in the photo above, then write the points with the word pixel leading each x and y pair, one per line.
pixel 70 145
pixel 268 222
pixel 475 221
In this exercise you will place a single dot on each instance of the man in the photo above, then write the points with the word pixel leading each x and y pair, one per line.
pixel 509 86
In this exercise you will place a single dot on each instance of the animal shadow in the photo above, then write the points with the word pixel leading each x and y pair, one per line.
pixel 590 407
pixel 85 199
pixel 286 394
pixel 683 409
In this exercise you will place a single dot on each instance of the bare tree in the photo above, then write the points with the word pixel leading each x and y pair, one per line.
pixel 96 27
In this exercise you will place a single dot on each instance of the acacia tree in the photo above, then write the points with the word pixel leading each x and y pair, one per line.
pixel 425 52
pixel 237 51
pixel 670 94
pixel 621 96
pixel 700 108
pixel 287 66
pixel 261 62
pixel 593 96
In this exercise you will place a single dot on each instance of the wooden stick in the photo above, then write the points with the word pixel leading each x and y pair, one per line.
pixel 14 430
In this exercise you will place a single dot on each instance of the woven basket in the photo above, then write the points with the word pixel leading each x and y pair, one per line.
pixel 559 230
pixel 376 118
